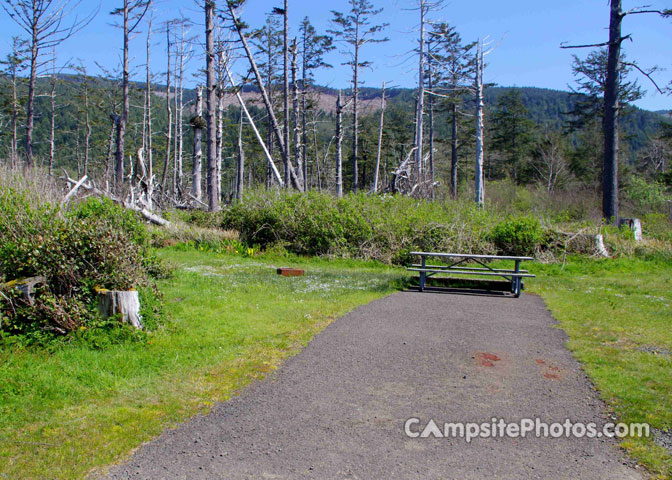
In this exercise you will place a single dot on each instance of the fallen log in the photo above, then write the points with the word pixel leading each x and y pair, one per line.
pixel 120 302
pixel 147 215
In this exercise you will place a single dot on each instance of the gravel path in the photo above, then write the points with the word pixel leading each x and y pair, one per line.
pixel 337 409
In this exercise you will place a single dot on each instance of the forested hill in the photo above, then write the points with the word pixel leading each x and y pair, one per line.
pixel 547 108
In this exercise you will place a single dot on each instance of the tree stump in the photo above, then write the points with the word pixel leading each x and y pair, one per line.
pixel 119 302
pixel 633 224
pixel 27 287
pixel 584 243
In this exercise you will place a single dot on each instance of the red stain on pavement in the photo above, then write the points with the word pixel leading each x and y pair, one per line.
pixel 549 370
pixel 486 359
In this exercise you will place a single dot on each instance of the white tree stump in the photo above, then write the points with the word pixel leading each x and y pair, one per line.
pixel 634 224
pixel 599 246
pixel 119 302
pixel 584 244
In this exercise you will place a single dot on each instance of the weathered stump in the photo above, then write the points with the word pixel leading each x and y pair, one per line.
pixel 584 243
pixel 633 224
pixel 27 287
pixel 119 302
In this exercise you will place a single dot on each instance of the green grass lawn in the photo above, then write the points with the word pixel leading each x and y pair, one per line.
pixel 231 320
pixel 618 315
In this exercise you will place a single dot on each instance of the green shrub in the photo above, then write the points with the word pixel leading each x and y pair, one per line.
pixel 658 226
pixel 383 228
pixel 647 196
pixel 518 236
pixel 95 244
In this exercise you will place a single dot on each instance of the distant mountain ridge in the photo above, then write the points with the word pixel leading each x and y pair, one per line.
pixel 547 108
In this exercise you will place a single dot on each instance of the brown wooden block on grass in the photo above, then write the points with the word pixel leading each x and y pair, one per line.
pixel 290 272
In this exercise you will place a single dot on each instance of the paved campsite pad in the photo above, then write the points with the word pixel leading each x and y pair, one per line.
pixel 337 409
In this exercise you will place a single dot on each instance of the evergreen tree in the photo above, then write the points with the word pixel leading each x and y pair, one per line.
pixel 513 132
pixel 354 29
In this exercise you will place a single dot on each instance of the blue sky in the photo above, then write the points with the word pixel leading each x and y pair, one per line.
pixel 528 34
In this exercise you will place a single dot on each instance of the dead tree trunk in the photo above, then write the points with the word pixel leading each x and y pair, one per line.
pixel 339 145
pixel 220 130
pixel 478 172
pixel 148 107
pixel 109 167
pixel 420 104
pixel 240 171
pixel 297 125
pixel 87 135
pixel 264 95
pixel 430 85
pixel 52 117
pixel 197 124
pixel 30 106
pixel 169 111
pixel 453 152
pixel 211 120
pixel 179 116
pixel 380 139
pixel 121 125
pixel 355 120
pixel 285 52
pixel 15 102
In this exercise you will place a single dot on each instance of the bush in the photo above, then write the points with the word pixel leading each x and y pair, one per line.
pixel 95 244
pixel 646 196
pixel 518 236
pixel 383 228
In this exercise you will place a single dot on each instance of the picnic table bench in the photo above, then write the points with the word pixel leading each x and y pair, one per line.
pixel 456 266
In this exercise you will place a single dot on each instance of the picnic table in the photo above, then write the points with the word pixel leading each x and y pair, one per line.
pixel 456 266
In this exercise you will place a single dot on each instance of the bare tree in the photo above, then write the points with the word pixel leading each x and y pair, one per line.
pixel 52 113
pixel 355 30
pixel 183 53
pixel 213 187
pixel 267 41
pixel 551 164
pixel 44 22
pixel 284 151
pixel 479 177
pixel 147 144
pixel 380 139
pixel 84 97
pixel 240 170
pixel 296 119
pixel 313 49
pixel 285 78
pixel 168 109
pixel 423 8
pixel 197 123
pixel 339 145
pixel 132 13
pixel 15 64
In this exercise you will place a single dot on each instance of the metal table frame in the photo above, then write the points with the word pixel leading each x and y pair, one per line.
pixel 514 275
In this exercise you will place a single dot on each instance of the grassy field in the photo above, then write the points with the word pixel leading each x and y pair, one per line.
pixel 232 319
pixel 618 315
